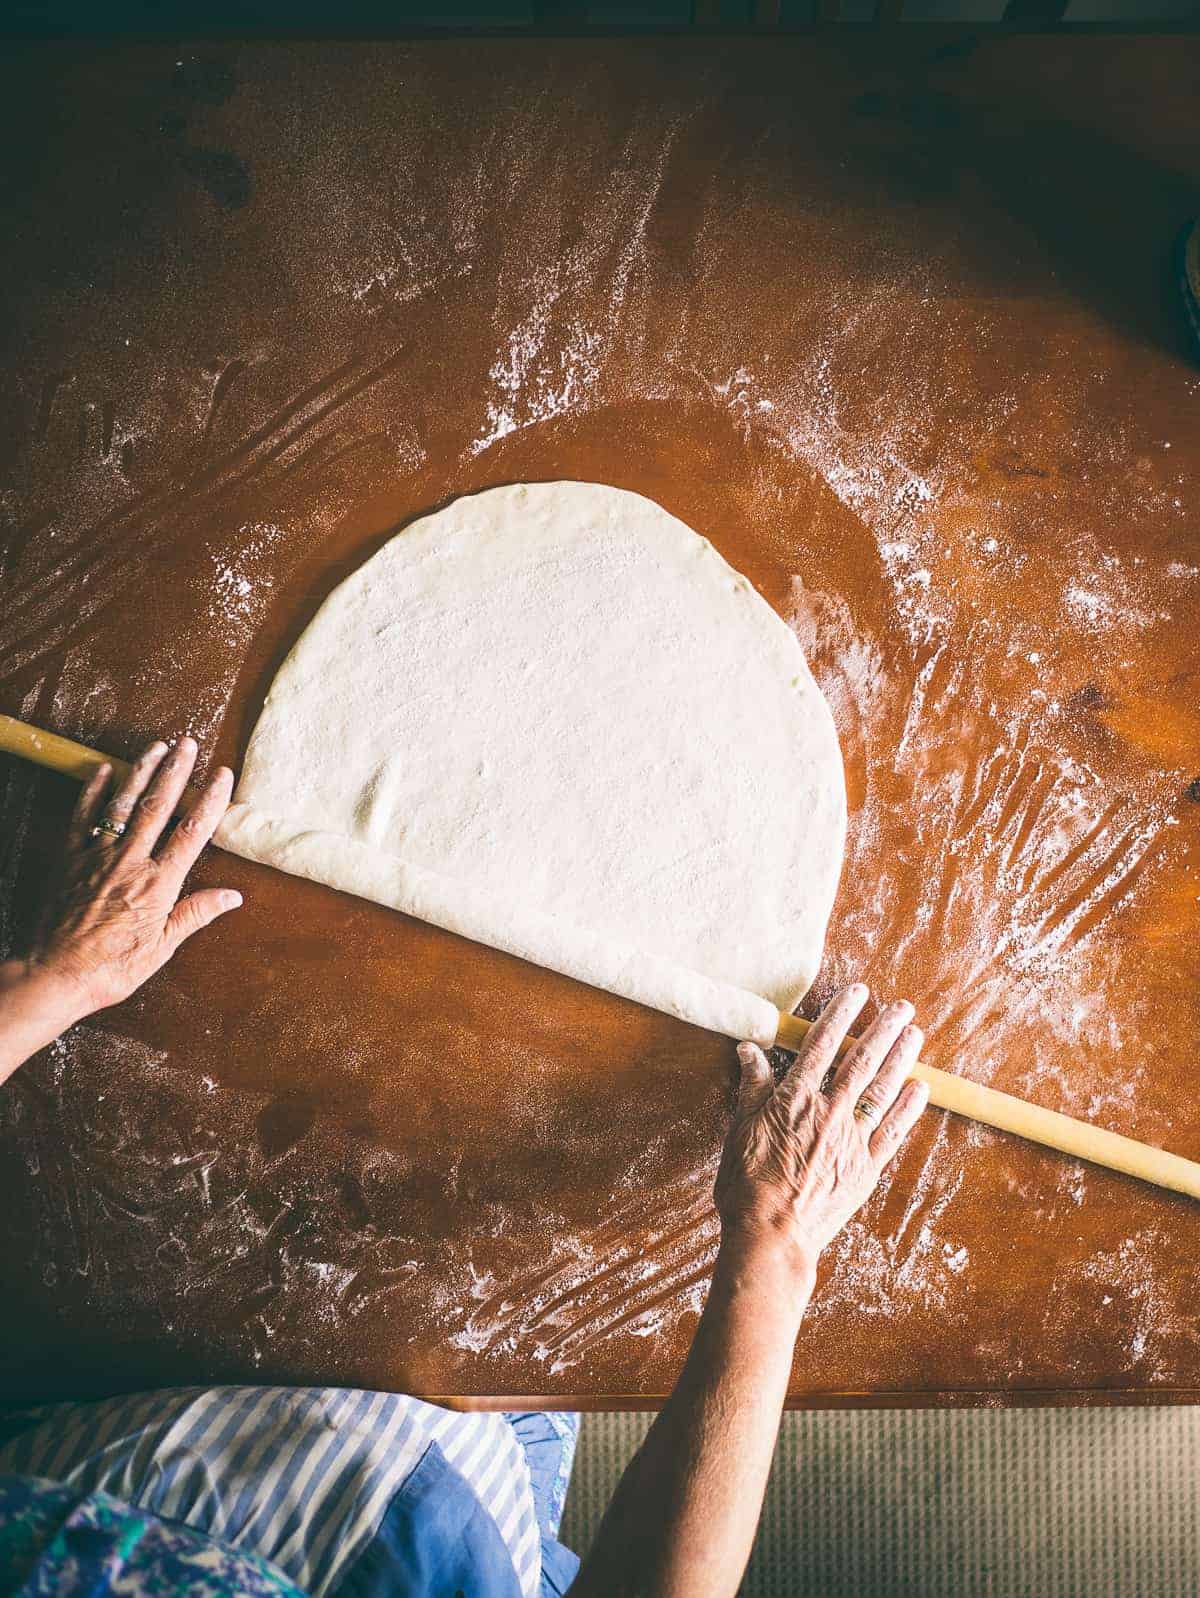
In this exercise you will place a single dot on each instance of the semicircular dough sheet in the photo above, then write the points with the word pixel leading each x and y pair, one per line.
pixel 553 719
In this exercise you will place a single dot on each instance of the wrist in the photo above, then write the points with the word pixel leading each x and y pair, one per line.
pixel 53 993
pixel 772 1272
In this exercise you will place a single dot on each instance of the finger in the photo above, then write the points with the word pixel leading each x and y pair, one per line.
pixel 819 1049
pixel 87 808
pixel 157 805
pixel 756 1083
pixel 183 847
pixel 120 806
pixel 899 1121
pixel 880 1094
pixel 197 911
pixel 866 1054
pixel 87 811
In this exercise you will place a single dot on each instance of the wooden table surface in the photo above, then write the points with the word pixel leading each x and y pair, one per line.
pixel 891 320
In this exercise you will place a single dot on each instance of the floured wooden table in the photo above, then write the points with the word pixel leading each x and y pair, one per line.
pixel 891 321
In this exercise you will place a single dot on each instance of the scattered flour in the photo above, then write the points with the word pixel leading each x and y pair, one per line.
pixel 240 582
pixel 1022 855
pixel 553 361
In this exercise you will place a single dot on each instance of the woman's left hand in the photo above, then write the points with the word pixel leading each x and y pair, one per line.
pixel 803 1154
pixel 119 917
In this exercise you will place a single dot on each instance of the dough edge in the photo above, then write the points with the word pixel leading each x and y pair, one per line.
pixel 459 906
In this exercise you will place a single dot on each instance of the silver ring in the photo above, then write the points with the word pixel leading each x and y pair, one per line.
pixel 864 1110
pixel 107 828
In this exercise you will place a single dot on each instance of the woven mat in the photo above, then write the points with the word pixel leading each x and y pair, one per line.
pixel 1047 1503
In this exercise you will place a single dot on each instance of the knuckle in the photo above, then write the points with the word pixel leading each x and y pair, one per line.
pixel 795 1099
pixel 855 1059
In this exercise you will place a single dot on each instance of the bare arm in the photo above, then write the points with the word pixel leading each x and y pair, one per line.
pixel 117 919
pixel 798 1163
pixel 683 1518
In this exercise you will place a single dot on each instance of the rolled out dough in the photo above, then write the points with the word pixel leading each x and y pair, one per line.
pixel 552 718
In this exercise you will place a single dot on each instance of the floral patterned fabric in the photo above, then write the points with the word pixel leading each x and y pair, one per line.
pixel 55 1543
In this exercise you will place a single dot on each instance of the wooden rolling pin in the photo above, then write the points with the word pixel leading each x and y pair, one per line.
pixel 59 754
pixel 1079 1139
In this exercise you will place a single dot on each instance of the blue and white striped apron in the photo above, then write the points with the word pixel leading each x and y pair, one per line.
pixel 301 1476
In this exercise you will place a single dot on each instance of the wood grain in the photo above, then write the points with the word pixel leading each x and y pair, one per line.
pixel 890 319
pixel 1003 1111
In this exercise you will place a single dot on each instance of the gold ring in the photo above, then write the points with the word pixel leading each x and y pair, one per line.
pixel 864 1110
pixel 113 829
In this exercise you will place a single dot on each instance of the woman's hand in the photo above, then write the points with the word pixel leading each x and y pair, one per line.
pixel 803 1154
pixel 116 920
pixel 796 1166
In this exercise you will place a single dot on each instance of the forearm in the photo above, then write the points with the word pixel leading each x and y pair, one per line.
pixel 682 1520
pixel 35 1007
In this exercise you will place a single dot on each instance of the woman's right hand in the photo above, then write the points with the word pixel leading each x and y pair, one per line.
pixel 803 1155
pixel 119 917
